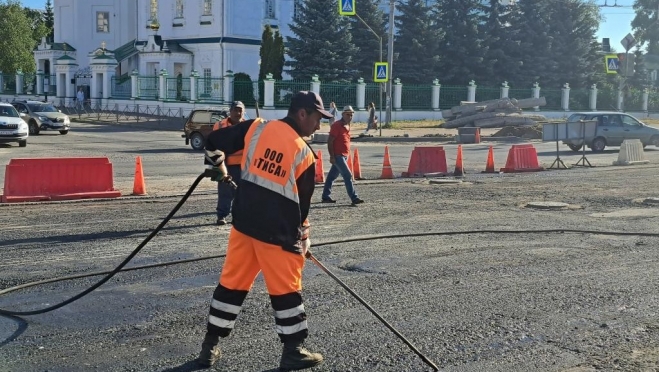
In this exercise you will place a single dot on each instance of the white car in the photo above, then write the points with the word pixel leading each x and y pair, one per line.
pixel 12 127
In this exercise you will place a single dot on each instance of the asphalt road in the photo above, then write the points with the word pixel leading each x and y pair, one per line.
pixel 470 302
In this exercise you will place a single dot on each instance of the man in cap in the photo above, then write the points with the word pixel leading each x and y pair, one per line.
pixel 338 145
pixel 270 230
pixel 226 193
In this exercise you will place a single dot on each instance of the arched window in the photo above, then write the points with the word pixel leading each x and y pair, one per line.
pixel 270 9
pixel 208 7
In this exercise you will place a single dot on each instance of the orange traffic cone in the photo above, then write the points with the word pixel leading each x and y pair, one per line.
pixel 320 172
pixel 489 166
pixel 356 166
pixel 139 188
pixel 459 166
pixel 386 165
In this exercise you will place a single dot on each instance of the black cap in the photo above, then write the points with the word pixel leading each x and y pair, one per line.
pixel 309 100
pixel 235 104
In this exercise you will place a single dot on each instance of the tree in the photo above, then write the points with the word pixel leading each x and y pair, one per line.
pixel 37 23
pixel 367 43
pixel 502 59
pixel 461 50
pixel 322 43
pixel 16 38
pixel 645 24
pixel 278 56
pixel 266 53
pixel 415 43
pixel 49 20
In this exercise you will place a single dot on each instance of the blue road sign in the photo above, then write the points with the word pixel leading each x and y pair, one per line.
pixel 612 63
pixel 381 72
pixel 347 7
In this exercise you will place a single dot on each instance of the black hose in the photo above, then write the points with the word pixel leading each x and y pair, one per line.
pixel 121 265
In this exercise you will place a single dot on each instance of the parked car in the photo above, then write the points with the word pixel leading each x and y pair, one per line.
pixel 200 123
pixel 43 116
pixel 13 128
pixel 612 129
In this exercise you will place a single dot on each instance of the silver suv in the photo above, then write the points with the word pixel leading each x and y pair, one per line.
pixel 12 127
pixel 43 116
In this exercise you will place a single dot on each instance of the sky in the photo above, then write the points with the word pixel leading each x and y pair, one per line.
pixel 615 26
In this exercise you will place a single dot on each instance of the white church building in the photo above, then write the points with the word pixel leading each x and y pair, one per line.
pixel 97 42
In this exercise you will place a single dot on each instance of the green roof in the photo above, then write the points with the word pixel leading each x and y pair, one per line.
pixel 66 57
pixel 103 56
pixel 125 51
pixel 60 46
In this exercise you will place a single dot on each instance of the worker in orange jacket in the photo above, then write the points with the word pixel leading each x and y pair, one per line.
pixel 270 231
pixel 226 193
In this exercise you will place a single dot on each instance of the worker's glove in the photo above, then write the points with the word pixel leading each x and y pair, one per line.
pixel 214 158
pixel 217 174
pixel 306 244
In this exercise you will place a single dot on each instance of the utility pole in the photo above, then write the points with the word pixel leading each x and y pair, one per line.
pixel 390 59
pixel 380 39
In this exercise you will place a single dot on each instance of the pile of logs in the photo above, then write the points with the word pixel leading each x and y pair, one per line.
pixel 493 114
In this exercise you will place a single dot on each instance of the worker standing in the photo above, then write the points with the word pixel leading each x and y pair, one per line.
pixel 270 231
pixel 226 193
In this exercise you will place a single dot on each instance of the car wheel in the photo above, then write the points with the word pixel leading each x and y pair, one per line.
pixel 63 131
pixel 655 141
pixel 22 143
pixel 197 141
pixel 33 127
pixel 598 145
pixel 575 148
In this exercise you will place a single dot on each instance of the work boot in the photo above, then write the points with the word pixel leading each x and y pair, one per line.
pixel 210 352
pixel 295 357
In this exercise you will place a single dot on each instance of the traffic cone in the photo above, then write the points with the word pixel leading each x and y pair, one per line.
pixel 320 172
pixel 459 165
pixel 139 188
pixel 356 166
pixel 386 165
pixel 489 166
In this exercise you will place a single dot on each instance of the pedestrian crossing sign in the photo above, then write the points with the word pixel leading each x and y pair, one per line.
pixel 381 72
pixel 612 63
pixel 347 7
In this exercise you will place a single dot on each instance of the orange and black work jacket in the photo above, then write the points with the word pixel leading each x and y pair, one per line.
pixel 277 180
pixel 236 157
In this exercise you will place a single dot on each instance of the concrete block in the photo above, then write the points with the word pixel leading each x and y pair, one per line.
pixel 631 153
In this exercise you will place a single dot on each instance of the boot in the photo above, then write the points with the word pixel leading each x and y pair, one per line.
pixel 210 352
pixel 295 357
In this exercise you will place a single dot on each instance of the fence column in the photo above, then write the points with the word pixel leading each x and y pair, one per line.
pixel 435 94
pixel 19 82
pixel 593 97
pixel 361 95
pixel 227 97
pixel 398 94
pixel 193 86
pixel 269 92
pixel 39 82
pixel 646 98
pixel 504 90
pixel 134 92
pixel 620 100
pixel 471 91
pixel 162 84
pixel 536 94
pixel 315 84
pixel 565 97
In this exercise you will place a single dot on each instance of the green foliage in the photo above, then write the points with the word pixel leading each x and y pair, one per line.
pixel 416 43
pixel 243 88
pixel 16 38
pixel 366 41
pixel 322 44
pixel 501 58
pixel 278 56
pixel 266 53
pixel 49 20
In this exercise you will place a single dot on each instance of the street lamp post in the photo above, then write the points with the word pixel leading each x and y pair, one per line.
pixel 380 40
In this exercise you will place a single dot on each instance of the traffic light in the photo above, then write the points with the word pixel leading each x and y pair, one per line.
pixel 627 64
